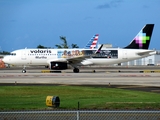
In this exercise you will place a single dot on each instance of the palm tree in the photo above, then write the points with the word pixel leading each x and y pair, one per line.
pixel 65 44
pixel 41 46
pixel 75 46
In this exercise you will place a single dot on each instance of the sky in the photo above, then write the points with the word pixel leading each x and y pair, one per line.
pixel 29 23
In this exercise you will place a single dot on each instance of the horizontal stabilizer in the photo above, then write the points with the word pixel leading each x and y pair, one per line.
pixel 150 52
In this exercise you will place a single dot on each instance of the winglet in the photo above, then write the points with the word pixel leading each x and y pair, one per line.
pixel 99 49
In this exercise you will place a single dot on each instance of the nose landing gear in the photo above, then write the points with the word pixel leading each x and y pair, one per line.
pixel 24 69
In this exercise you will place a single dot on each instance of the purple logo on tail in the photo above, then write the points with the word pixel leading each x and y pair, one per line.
pixel 141 39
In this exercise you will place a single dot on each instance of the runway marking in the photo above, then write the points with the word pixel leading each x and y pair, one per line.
pixel 1 76
pixel 135 75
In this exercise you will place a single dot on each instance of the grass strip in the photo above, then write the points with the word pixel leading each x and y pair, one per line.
pixel 34 97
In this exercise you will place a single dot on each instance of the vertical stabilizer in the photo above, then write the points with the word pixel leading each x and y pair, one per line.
pixel 142 39
pixel 93 42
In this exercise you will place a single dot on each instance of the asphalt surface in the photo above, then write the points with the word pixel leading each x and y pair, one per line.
pixel 131 78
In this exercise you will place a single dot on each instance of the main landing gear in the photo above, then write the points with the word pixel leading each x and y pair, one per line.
pixel 76 70
pixel 23 71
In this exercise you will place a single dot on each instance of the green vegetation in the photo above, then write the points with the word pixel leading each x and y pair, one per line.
pixel 65 44
pixel 61 46
pixel 42 47
pixel 4 53
pixel 34 97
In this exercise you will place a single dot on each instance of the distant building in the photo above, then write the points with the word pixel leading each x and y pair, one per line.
pixel 150 60
pixel 106 45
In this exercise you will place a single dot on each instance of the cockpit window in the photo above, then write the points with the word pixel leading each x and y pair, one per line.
pixel 13 54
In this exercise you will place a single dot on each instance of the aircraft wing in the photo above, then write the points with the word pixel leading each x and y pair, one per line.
pixel 78 58
pixel 70 60
pixel 149 52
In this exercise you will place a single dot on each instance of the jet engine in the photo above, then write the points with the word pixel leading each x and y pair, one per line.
pixel 58 65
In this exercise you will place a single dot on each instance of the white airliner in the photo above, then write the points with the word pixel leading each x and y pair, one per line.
pixel 59 59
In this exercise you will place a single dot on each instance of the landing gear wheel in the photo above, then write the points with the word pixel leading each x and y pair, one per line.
pixel 23 71
pixel 76 70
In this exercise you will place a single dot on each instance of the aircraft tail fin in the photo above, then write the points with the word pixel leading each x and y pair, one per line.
pixel 93 42
pixel 142 39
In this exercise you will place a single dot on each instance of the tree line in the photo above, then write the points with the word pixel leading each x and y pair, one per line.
pixel 4 53
pixel 60 46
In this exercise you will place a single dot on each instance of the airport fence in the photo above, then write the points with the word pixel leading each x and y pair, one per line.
pixel 81 115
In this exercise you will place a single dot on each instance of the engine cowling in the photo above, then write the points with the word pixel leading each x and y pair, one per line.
pixel 58 65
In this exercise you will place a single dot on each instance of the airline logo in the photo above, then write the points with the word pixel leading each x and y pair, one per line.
pixel 141 39
pixel 93 42
pixel 40 51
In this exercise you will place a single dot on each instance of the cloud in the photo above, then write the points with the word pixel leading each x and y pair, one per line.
pixel 113 3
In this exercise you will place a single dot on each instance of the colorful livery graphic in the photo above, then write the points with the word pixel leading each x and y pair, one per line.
pixel 142 39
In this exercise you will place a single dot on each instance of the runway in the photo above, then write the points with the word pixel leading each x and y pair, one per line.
pixel 143 79
pixel 85 77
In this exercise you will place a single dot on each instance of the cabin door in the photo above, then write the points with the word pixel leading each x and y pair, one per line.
pixel 124 54
pixel 23 56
